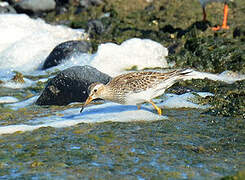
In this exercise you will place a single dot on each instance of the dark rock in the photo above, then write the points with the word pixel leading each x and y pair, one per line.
pixel 239 32
pixel 95 27
pixel 71 85
pixel 62 7
pixel 65 51
pixel 172 48
pixel 34 6
pixel 87 3
pixel 61 2
pixel 200 25
pixel 177 89
pixel 61 10
pixel 6 8
pixel 168 28
pixel 193 29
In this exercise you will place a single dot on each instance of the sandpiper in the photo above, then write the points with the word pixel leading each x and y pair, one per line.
pixel 135 88
pixel 224 25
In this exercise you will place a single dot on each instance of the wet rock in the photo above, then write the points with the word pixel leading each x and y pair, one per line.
pixel 176 89
pixel 239 32
pixel 87 3
pixel 66 50
pixel 238 176
pixel 169 29
pixel 62 7
pixel 18 78
pixel 211 54
pixel 95 27
pixel 62 2
pixel 34 6
pixel 71 85
pixel 6 8
pixel 228 99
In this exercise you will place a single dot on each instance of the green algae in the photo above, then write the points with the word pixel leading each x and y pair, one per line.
pixel 163 21
pixel 9 116
pixel 182 147
pixel 228 99
pixel 18 77
pixel 238 176
pixel 211 54
pixel 39 86
pixel 188 145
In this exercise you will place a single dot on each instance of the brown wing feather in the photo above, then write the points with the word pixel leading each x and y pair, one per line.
pixel 144 80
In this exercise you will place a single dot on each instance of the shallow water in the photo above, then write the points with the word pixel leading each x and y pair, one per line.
pixel 187 145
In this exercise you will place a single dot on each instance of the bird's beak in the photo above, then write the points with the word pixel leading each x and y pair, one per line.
pixel 89 99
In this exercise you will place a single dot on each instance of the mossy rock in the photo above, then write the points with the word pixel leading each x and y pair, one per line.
pixel 211 54
pixel 228 99
pixel 239 176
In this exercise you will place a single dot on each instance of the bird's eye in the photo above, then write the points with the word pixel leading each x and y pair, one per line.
pixel 95 90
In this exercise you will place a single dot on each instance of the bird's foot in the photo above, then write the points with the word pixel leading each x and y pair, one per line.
pixel 217 28
pixel 159 111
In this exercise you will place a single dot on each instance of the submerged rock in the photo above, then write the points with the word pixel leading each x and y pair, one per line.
pixel 71 85
pixel 66 50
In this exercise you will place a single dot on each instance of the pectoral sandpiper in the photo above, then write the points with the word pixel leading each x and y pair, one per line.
pixel 136 88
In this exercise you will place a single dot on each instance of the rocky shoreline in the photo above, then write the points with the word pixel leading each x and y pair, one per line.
pixel 191 42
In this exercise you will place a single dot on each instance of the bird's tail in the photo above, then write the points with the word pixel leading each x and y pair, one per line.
pixel 184 72
pixel 179 74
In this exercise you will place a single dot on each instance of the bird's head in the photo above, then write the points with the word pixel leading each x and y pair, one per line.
pixel 95 92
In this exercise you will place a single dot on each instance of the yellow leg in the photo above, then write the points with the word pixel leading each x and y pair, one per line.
pixel 138 106
pixel 157 108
